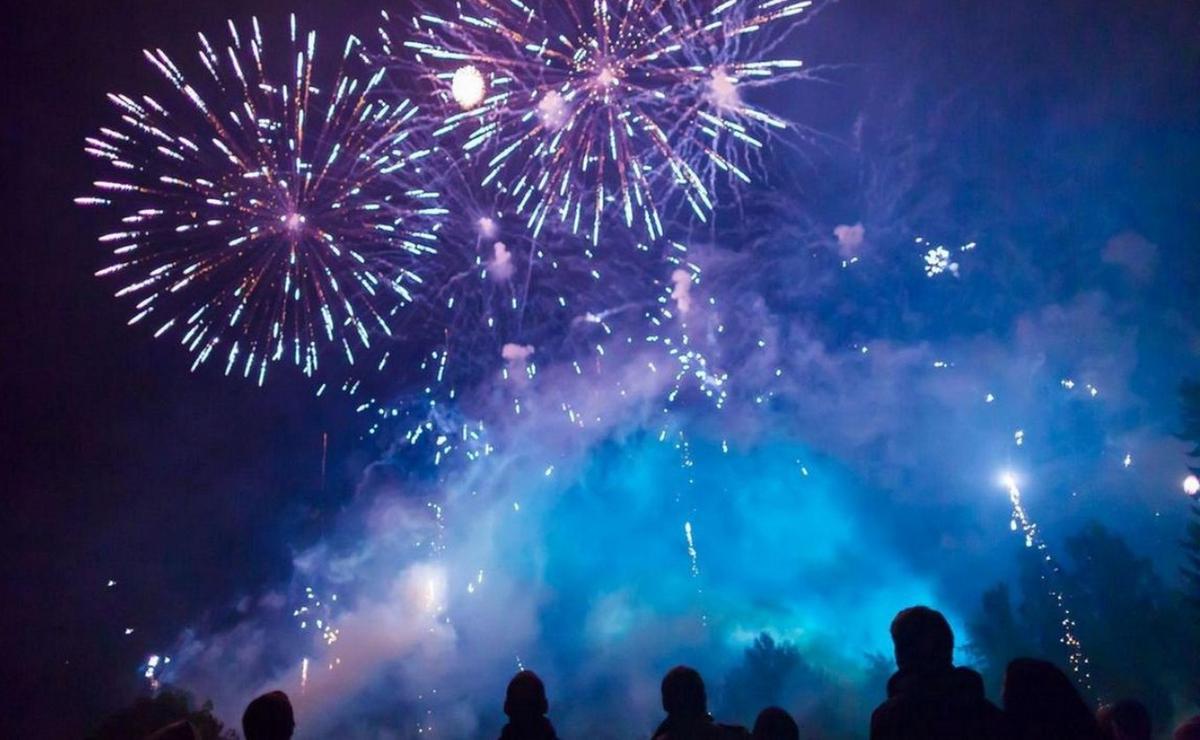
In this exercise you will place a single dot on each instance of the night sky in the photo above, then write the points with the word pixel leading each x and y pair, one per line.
pixel 1061 137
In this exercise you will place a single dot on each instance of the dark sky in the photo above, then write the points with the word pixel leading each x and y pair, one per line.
pixel 122 462
pixel 190 489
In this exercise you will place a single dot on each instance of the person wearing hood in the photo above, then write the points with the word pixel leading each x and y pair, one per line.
pixel 928 696
pixel 685 701
pixel 526 706
pixel 1041 703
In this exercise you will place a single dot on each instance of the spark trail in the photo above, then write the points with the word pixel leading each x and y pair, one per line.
pixel 1076 657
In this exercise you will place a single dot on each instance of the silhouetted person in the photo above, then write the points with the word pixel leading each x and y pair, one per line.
pixel 774 723
pixel 686 703
pixel 1125 720
pixel 181 730
pixel 269 717
pixel 1189 730
pixel 1040 703
pixel 928 697
pixel 526 707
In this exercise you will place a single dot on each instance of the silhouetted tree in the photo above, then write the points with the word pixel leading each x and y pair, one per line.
pixel 778 674
pixel 880 668
pixel 997 635
pixel 150 713
pixel 1128 620
pixel 1130 624
pixel 1190 570
pixel 767 670
pixel 1191 554
pixel 1004 629
pixel 1190 395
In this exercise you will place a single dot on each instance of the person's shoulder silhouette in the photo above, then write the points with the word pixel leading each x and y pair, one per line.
pixel 928 696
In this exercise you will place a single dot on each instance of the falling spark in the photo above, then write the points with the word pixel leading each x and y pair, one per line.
pixel 1021 522
pixel 691 549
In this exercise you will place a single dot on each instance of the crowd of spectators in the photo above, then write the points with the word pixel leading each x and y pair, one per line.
pixel 928 698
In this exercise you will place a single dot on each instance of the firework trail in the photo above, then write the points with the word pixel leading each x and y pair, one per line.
pixel 582 107
pixel 1029 529
pixel 266 216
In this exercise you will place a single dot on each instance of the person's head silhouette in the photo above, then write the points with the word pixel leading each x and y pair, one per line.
pixel 683 693
pixel 923 640
pixel 774 723
pixel 1040 701
pixel 525 697
pixel 269 717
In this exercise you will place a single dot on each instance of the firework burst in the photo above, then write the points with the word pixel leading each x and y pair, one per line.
pixel 582 107
pixel 266 217
pixel 502 295
pixel 498 304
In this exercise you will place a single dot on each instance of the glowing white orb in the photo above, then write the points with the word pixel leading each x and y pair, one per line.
pixel 682 292
pixel 486 226
pixel 500 266
pixel 607 77
pixel 552 110
pixel 723 91
pixel 293 221
pixel 1191 485
pixel 468 87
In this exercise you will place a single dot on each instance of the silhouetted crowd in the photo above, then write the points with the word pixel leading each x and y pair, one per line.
pixel 928 697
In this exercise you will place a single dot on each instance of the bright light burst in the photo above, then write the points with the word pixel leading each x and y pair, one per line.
pixel 588 106
pixel 468 87
pixel 1191 485
pixel 265 215
pixel 502 298
pixel 498 305
pixel 939 259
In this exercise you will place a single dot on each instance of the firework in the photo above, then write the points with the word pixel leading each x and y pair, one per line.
pixel 266 216
pixel 581 107
pixel 1029 529
pixel 939 259
pixel 498 305
pixel 502 300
